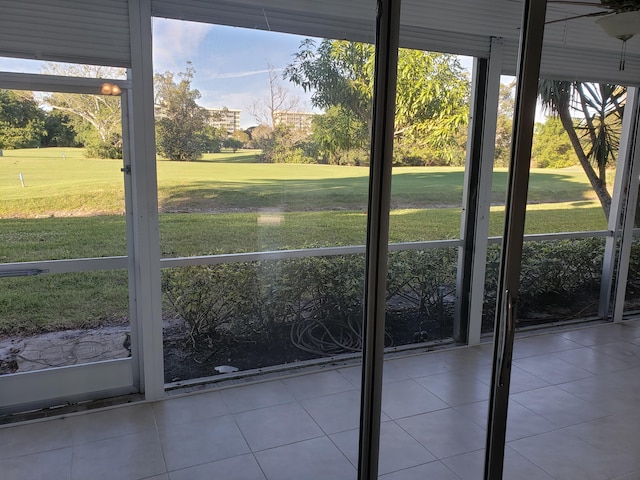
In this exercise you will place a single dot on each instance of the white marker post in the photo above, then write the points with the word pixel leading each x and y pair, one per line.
pixel 21 179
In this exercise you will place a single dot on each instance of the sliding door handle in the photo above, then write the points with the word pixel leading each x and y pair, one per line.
pixel 506 343
pixel 506 347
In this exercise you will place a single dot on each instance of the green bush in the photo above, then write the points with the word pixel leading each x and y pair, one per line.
pixel 241 300
pixel 423 278
pixel 317 298
pixel 554 274
pixel 421 284
pixel 330 318
pixel 207 298
pixel 633 282
pixel 317 302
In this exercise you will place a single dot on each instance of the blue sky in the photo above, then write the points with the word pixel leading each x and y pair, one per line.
pixel 231 64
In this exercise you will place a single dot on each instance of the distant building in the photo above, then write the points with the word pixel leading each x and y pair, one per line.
pixel 226 118
pixel 297 120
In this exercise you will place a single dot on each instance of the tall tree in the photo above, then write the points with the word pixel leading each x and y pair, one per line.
pixel 596 133
pixel 339 135
pixel 181 124
pixel 433 89
pixel 97 119
pixel 338 73
pixel 279 99
pixel 21 120
pixel 504 124
pixel 59 130
pixel 551 145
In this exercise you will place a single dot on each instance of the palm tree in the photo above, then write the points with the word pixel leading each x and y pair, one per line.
pixel 595 132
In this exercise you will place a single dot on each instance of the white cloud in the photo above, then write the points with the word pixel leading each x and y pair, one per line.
pixel 241 74
pixel 176 42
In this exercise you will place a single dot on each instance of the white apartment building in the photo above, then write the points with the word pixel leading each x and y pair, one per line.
pixel 225 117
pixel 298 120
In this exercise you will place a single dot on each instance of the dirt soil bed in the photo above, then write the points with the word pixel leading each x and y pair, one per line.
pixel 184 360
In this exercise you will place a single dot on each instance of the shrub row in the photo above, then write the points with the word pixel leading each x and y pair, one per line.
pixel 318 300
pixel 556 276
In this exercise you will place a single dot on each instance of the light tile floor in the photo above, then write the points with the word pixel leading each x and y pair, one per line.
pixel 574 414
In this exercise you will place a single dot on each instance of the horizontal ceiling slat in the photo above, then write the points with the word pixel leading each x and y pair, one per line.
pixel 88 31
pixel 270 17
pixel 446 42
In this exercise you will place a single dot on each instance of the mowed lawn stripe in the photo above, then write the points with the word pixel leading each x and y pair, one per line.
pixel 61 182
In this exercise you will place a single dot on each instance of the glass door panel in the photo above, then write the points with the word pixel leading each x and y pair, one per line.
pixel 262 229
pixel 64 296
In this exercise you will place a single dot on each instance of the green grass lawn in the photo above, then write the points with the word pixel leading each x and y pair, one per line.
pixel 61 182
pixel 72 207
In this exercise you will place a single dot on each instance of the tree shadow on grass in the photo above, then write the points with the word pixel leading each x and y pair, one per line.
pixel 410 189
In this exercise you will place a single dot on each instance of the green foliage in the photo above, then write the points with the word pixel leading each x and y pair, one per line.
pixel 503 141
pixel 213 138
pixel 341 137
pixel 260 137
pixel 431 103
pixel 233 143
pixel 338 72
pixel 59 130
pixel 554 275
pixel 330 318
pixel 318 298
pixel 603 123
pixel 418 276
pixel 596 136
pixel 209 298
pixel 282 144
pixel 22 123
pixel 180 122
pixel 425 281
pixel 96 119
pixel 551 145
pixel 241 136
pixel 97 146
pixel 504 124
pixel 633 282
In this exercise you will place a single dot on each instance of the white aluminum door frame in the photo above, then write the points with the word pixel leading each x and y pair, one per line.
pixel 42 388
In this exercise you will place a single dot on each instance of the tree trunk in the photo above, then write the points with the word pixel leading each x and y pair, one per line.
pixel 599 184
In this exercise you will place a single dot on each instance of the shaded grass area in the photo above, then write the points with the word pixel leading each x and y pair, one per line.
pixel 291 187
pixel 61 182
pixel 228 156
